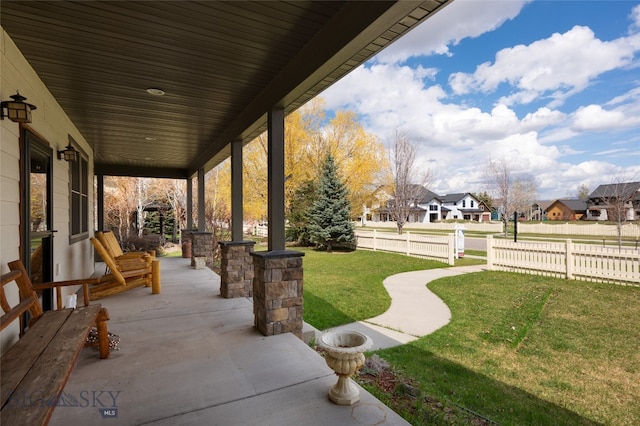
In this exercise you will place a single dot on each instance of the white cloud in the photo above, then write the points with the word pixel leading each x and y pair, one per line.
pixel 542 118
pixel 635 17
pixel 587 168
pixel 596 118
pixel 457 21
pixel 556 67
pixel 630 96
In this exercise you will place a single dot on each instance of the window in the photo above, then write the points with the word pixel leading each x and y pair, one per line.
pixel 471 203
pixel 464 203
pixel 433 207
pixel 79 208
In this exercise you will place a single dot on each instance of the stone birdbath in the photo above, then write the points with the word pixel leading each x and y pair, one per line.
pixel 344 355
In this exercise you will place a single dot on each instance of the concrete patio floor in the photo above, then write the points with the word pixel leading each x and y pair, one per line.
pixel 190 357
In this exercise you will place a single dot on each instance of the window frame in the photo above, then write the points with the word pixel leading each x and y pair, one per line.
pixel 79 185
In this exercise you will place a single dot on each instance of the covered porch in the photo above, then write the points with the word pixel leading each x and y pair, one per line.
pixel 171 90
pixel 189 356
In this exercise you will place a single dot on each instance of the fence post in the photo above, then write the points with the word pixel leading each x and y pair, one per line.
pixel 451 249
pixel 490 252
pixel 408 243
pixel 569 259
pixel 374 240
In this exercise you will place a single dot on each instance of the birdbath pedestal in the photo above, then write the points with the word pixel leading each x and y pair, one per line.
pixel 344 355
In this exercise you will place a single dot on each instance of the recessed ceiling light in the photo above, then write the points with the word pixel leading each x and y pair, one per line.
pixel 149 139
pixel 154 91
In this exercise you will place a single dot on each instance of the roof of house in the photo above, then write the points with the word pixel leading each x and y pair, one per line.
pixel 544 204
pixel 630 190
pixel 575 205
pixel 429 196
pixel 453 198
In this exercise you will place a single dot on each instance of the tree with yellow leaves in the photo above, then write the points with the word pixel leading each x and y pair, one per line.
pixel 359 156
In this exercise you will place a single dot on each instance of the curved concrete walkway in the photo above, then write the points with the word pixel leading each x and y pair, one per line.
pixel 414 312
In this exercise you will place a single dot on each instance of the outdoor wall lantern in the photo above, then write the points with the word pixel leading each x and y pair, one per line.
pixel 17 110
pixel 69 154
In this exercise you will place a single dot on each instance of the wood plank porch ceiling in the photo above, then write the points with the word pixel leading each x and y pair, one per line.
pixel 221 64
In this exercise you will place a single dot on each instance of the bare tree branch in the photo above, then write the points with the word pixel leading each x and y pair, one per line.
pixel 409 182
pixel 510 193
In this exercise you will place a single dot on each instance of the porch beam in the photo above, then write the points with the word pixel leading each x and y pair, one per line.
pixel 275 172
pixel 146 172
pixel 236 191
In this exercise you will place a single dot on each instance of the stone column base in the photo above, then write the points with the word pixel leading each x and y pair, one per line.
pixel 277 292
pixel 202 246
pixel 236 269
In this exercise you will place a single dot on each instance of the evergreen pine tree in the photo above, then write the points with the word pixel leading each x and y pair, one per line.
pixel 298 214
pixel 330 214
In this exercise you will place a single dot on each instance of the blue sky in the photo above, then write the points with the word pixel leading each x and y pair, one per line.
pixel 551 87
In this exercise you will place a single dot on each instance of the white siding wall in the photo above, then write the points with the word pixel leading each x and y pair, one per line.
pixel 52 124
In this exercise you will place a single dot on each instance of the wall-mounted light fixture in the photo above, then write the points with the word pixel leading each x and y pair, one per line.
pixel 17 110
pixel 69 154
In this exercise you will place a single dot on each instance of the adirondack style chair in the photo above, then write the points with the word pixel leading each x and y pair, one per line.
pixel 111 244
pixel 124 273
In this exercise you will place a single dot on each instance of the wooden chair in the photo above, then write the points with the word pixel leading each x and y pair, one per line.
pixel 111 244
pixel 124 273
pixel 27 290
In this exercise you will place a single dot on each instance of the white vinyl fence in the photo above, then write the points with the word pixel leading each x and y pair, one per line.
pixel 585 262
pixel 494 227
pixel 260 230
pixel 594 229
pixel 439 248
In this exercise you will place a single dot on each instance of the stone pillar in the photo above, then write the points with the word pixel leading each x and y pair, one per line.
pixel 202 246
pixel 277 292
pixel 236 269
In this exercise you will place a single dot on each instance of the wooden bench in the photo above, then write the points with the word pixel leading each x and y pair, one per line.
pixel 36 368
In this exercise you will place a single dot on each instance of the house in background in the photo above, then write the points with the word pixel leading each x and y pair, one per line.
pixel 605 200
pixel 566 210
pixel 464 206
pixel 430 207
pixel 539 210
pixel 433 207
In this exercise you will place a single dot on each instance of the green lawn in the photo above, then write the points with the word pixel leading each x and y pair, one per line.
pixel 343 287
pixel 530 350
pixel 520 349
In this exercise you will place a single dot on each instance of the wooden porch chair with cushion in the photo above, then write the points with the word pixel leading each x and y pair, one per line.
pixel 111 244
pixel 125 273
